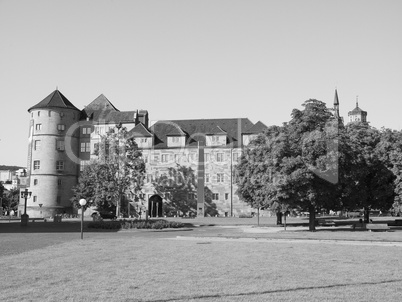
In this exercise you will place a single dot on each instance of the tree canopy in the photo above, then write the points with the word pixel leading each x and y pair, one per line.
pixel 118 170
pixel 314 163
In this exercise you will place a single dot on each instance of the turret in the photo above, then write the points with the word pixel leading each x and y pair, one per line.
pixel 51 170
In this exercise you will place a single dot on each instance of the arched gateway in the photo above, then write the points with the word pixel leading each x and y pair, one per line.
pixel 155 206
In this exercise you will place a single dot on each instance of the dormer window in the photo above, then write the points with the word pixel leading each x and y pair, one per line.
pixel 176 141
pixel 216 140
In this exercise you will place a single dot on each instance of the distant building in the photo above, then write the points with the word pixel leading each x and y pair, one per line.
pixel 357 114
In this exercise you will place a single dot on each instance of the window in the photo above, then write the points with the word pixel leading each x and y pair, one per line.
pixel 165 158
pixel 61 127
pixel 83 163
pixel 38 127
pixel 206 177
pixel 59 182
pixel 235 156
pixel 59 165
pixel 35 198
pixel 38 113
pixel 85 147
pixel 49 113
pixel 207 157
pixel 144 140
pixel 60 145
pixel 36 164
pixel 219 157
pixel 86 130
pixel 156 158
pixel 226 196
pixel 35 182
pixel 215 196
pixel 175 139
pixel 220 177
pixel 37 145
pixel 58 200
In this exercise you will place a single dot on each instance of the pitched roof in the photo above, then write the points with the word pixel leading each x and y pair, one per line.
pixel 139 131
pixel 217 130
pixel 197 129
pixel 101 109
pixel 54 100
pixel 256 129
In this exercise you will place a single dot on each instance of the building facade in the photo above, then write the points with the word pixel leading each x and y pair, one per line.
pixel 63 139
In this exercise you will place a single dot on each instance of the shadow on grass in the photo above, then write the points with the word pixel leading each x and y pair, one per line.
pixel 50 227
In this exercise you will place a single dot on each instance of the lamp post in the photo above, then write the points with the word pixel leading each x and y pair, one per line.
pixel 83 202
pixel 118 126
pixel 24 217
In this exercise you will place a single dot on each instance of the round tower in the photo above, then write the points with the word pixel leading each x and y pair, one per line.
pixel 51 172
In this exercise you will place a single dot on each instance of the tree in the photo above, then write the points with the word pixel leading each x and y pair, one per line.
pixel 374 179
pixel 118 170
pixel 296 165
pixel 179 188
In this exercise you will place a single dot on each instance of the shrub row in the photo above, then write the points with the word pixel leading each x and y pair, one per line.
pixel 135 224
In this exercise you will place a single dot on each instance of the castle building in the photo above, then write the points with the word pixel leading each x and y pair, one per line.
pixel 62 141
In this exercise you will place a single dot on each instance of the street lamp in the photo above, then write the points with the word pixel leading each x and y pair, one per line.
pixel 118 126
pixel 24 217
pixel 82 202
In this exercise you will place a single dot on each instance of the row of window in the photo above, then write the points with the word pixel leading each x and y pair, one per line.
pixel 60 146
pixel 192 196
pixel 49 113
pixel 36 182
pixel 35 199
pixel 165 158
pixel 60 127
pixel 59 165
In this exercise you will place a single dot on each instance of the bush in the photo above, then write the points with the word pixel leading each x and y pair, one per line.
pixel 138 224
pixel 245 216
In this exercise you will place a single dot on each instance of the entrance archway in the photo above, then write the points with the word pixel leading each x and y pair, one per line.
pixel 155 206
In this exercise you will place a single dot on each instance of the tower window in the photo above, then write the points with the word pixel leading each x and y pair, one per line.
pixel 58 200
pixel 61 127
pixel 60 145
pixel 35 182
pixel 85 147
pixel 59 165
pixel 86 130
pixel 49 113
pixel 35 198
pixel 36 164
pixel 37 145
pixel 38 127
pixel 215 196
pixel 59 182
pixel 38 113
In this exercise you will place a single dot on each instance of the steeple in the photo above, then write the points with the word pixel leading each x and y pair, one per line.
pixel 336 104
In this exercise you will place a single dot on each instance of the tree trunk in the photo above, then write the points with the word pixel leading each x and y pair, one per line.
pixel 311 224
pixel 366 215
pixel 278 218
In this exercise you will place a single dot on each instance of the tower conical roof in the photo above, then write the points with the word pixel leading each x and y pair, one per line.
pixel 336 100
pixel 54 100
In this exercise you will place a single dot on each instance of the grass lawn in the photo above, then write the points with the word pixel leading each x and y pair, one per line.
pixel 140 266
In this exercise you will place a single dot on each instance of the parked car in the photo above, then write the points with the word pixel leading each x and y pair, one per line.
pixel 105 214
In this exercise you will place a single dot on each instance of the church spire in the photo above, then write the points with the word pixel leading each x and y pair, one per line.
pixel 336 104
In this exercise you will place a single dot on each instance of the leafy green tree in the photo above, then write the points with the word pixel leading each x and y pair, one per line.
pixel 374 178
pixel 178 186
pixel 303 164
pixel 118 170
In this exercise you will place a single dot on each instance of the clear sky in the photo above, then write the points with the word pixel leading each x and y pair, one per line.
pixel 199 59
